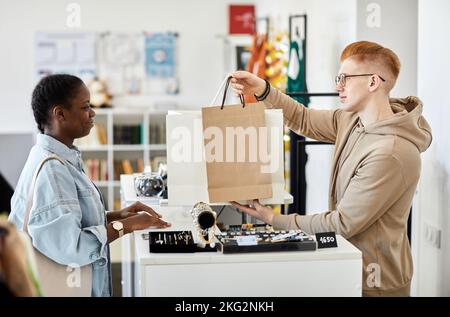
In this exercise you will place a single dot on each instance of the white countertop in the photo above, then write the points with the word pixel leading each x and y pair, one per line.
pixel 181 219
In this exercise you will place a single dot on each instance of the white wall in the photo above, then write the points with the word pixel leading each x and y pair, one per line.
pixel 432 271
pixel 20 145
pixel 397 30
pixel 331 26
pixel 197 21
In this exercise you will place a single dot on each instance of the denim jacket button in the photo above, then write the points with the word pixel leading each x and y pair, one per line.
pixel 101 262
pixel 94 255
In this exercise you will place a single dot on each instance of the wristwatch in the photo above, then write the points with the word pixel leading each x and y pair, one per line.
pixel 118 226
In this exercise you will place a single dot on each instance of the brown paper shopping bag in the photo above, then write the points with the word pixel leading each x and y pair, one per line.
pixel 233 138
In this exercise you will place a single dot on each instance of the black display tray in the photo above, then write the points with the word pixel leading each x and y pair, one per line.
pixel 175 242
pixel 267 240
pixel 233 247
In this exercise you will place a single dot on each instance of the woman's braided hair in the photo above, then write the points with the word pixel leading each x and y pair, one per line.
pixel 50 91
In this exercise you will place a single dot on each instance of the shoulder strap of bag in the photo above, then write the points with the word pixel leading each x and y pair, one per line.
pixel 29 204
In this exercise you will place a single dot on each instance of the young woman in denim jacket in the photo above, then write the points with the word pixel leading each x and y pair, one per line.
pixel 68 222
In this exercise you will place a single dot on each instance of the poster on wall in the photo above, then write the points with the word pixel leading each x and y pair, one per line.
pixel 68 53
pixel 241 19
pixel 121 62
pixel 129 63
pixel 160 55
pixel 243 54
pixel 160 61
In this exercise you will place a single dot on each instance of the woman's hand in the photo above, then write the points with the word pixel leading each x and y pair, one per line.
pixel 130 211
pixel 245 83
pixel 142 221
pixel 257 210
pixel 138 216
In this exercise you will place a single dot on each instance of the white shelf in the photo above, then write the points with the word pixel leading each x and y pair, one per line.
pixel 102 111
pixel 93 148
pixel 108 117
pixel 101 183
pixel 122 147
pixel 128 147
pixel 157 147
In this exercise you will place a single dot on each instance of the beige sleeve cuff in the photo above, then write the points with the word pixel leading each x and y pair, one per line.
pixel 285 222
pixel 293 222
pixel 270 101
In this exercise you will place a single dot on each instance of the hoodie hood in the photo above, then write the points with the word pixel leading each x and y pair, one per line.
pixel 407 123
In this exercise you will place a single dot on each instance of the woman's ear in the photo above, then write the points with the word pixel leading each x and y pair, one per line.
pixel 58 113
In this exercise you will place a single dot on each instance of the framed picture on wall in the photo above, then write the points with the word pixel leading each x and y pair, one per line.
pixel 242 57
pixel 241 19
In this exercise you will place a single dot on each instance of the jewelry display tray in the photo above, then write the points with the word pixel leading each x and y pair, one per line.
pixel 301 242
pixel 175 242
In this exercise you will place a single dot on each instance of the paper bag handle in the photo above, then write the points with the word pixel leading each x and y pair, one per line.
pixel 241 97
pixel 226 82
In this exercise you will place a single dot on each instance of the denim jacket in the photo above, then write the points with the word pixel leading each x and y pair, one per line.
pixel 68 218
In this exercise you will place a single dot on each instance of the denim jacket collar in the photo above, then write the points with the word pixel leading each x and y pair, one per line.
pixel 72 155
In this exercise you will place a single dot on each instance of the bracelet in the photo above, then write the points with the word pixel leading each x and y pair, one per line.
pixel 265 93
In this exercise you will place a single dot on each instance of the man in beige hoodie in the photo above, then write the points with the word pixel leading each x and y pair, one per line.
pixel 376 162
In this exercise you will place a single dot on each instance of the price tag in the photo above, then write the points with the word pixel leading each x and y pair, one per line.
pixel 246 240
pixel 326 240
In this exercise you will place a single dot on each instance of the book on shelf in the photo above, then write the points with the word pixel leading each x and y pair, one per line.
pixel 101 133
pixel 127 167
pixel 127 134
pixel 140 166
pixel 96 137
pixel 157 134
pixel 117 204
pixel 96 169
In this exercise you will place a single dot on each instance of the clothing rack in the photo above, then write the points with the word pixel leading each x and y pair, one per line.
pixel 298 155
pixel 301 160
pixel 303 17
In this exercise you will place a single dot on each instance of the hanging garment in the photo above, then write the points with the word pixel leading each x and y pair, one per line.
pixel 296 82
pixel 257 61
pixel 296 71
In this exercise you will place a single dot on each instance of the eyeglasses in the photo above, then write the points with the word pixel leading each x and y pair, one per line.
pixel 342 78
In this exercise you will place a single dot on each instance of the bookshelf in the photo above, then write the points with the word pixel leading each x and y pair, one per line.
pixel 123 141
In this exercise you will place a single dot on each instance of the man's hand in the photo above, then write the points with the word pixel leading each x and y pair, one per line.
pixel 256 210
pixel 245 83
pixel 130 211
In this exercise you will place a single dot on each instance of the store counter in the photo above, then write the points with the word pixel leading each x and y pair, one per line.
pixel 324 272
